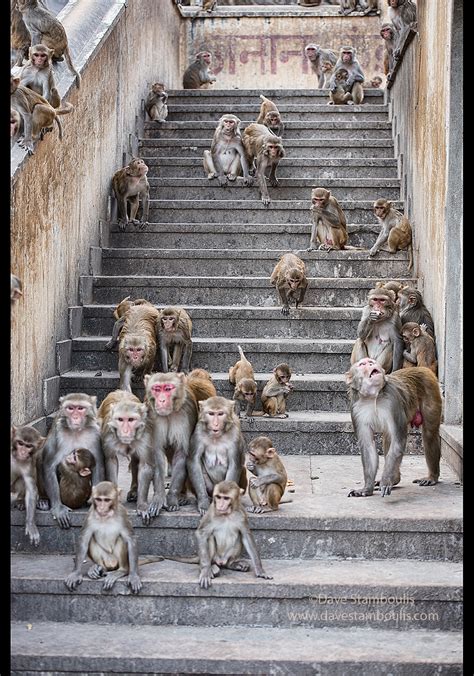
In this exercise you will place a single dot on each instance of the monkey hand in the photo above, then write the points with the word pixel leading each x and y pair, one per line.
pixel 134 582
pixel 255 509
pixel 142 224
pixel 222 181
pixel 374 315
pixel 110 345
pixel 205 577
pixel 285 310
pixel 203 505
pixel 33 534
pixel 172 504
pixel 42 504
pixel 61 514
pixel 372 252
pixel 266 200
pixel 255 482
pixel 396 54
pixel 248 180
pixel 145 516
pixel 263 574
pixel 73 580
pixel 274 182
pixel 121 225
pixel 155 507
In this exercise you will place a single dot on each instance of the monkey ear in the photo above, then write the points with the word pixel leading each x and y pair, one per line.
pixel 391 294
pixel 85 471
pixel 143 409
pixel 270 452
pixel 389 204
pixel 416 332
pixel 41 443
pixel 201 405
pixel 349 376
pixel 241 491
pixel 181 376
pixel 146 378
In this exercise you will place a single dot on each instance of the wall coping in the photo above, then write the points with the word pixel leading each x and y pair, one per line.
pixel 233 11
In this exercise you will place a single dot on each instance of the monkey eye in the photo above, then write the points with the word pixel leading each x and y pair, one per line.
pixel 168 388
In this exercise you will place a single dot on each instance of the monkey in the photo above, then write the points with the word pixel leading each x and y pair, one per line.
pixel 243 377
pixel 396 287
pixel 327 69
pixel 347 6
pixel 226 159
pixel 75 426
pixel 75 484
pixel 289 278
pixel 379 331
pixel 209 5
pixel 389 36
pixel 421 350
pixel 395 230
pixel 376 82
pixel 156 103
pixel 47 30
pixel 387 404
pixel 270 480
pixel 347 59
pixel 20 38
pixel 37 74
pixel 173 331
pixel 172 412
pixel 276 391
pixel 16 288
pixel 16 124
pixel 217 449
pixel 198 73
pixel 316 56
pixel 339 94
pixel 270 116
pixel 26 443
pixel 200 383
pixel 329 223
pixel 369 7
pixel 402 14
pixel 107 538
pixel 266 150
pixel 129 185
pixel 412 309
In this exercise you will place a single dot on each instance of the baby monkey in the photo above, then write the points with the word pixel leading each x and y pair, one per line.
pixel 275 392
pixel 267 487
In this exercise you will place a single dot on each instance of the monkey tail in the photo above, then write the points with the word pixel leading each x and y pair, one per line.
pixel 183 559
pixel 241 352
pixel 60 128
pixel 410 256
pixel 65 109
pixel 150 559
pixel 264 98
pixel 67 56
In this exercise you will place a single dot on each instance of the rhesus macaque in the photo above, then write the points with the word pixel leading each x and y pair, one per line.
pixel 269 483
pixel 347 59
pixel 47 30
pixel 276 391
pixel 107 538
pixel 266 150
pixel 173 329
pixel 129 185
pixel 37 74
pixel 75 426
pixel 379 331
pixel 156 103
pixel 395 230
pixel 222 532
pixel 402 14
pixel 75 482
pixel 198 73
pixel 329 223
pixel 289 278
pixel 389 35
pixel 209 5
pixel 172 413
pixel 316 56
pixel 135 331
pixel 388 404
pixel 20 38
pixel 347 6
pixel 200 383
pixel 26 443
pixel 421 349
pixel 412 309
pixel 376 82
pixel 16 124
pixel 226 159
pixel 36 113
pixel 327 68
pixel 396 287
pixel 217 450
pixel 125 431
pixel 339 95
pixel 16 288
pixel 270 116
pixel 242 375
pixel 369 7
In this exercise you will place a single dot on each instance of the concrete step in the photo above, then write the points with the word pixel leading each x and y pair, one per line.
pixel 147 650
pixel 196 97
pixel 248 114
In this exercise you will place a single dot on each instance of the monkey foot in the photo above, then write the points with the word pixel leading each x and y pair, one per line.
pixel 231 177
pixel 145 516
pixel 356 493
pixel 95 572
pixel 42 505
pixel 132 496
pixel 425 481
pixel 242 566
pixel 255 509
pixel 212 175
pixel 20 505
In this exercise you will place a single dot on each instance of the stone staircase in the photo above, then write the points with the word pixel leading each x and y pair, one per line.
pixel 370 586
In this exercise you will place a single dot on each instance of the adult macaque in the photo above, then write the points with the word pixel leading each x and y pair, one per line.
pixel 327 69
pixel 198 73
pixel 156 103
pixel 26 443
pixel 270 116
pixel 266 150
pixel 412 309
pixel 421 349
pixel 276 391
pixel 75 478
pixel 47 30
pixel 173 329
pixel 20 38
pixel 129 185
pixel 379 331
pixel 37 74
pixel 107 538
pixel 289 278
pixel 388 404
pixel 339 95
pixel 135 331
pixel 389 35
pixel 200 383
pixel 243 377
pixel 395 230
pixel 217 450
pixel 16 288
pixel 376 82
pixel 75 426
pixel 347 59
pixel 402 14
pixel 269 483
pixel 316 55
pixel 329 229
pixel 396 287
pixel 226 159
pixel 172 412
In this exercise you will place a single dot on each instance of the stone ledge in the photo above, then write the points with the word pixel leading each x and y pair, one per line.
pixel 452 447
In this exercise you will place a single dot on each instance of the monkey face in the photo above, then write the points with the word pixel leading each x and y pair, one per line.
pixel 223 503
pixel 367 376
pixel 319 199
pixel 75 414
pixel 294 282
pixel 22 450
pixel 381 208
pixel 341 75
pixel 128 421
pixel 103 505
pixel 163 394
pixel 137 167
pixel 157 88
pixel 206 57
pixel 346 57
pixel 381 307
pixel 273 150
pixel 282 376
pixel 169 323
pixel 312 53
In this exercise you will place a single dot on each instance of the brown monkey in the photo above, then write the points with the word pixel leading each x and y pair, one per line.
pixel 217 450
pixel 376 82
pixel 242 376
pixel 379 331
pixel 270 116
pixel 395 230
pixel 396 287
pixel 26 443
pixel 37 74
pixel 389 36
pixel 269 484
pixel 16 124
pixel 198 73
pixel 20 38
pixel 135 331
pixel 200 383
pixel 266 150
pixel 209 5
pixel 387 404
pixel 75 483
pixel 347 59
pixel 347 6
pixel 173 329
pixel 289 278
pixel 327 69
pixel 16 288
pixel 276 391
pixel 316 56
pixel 47 30
pixel 107 538
pixel 75 426
pixel 421 349
pixel 129 185
pixel 413 309
pixel 329 223
pixel 402 14
pixel 226 159
pixel 156 102
pixel 339 95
